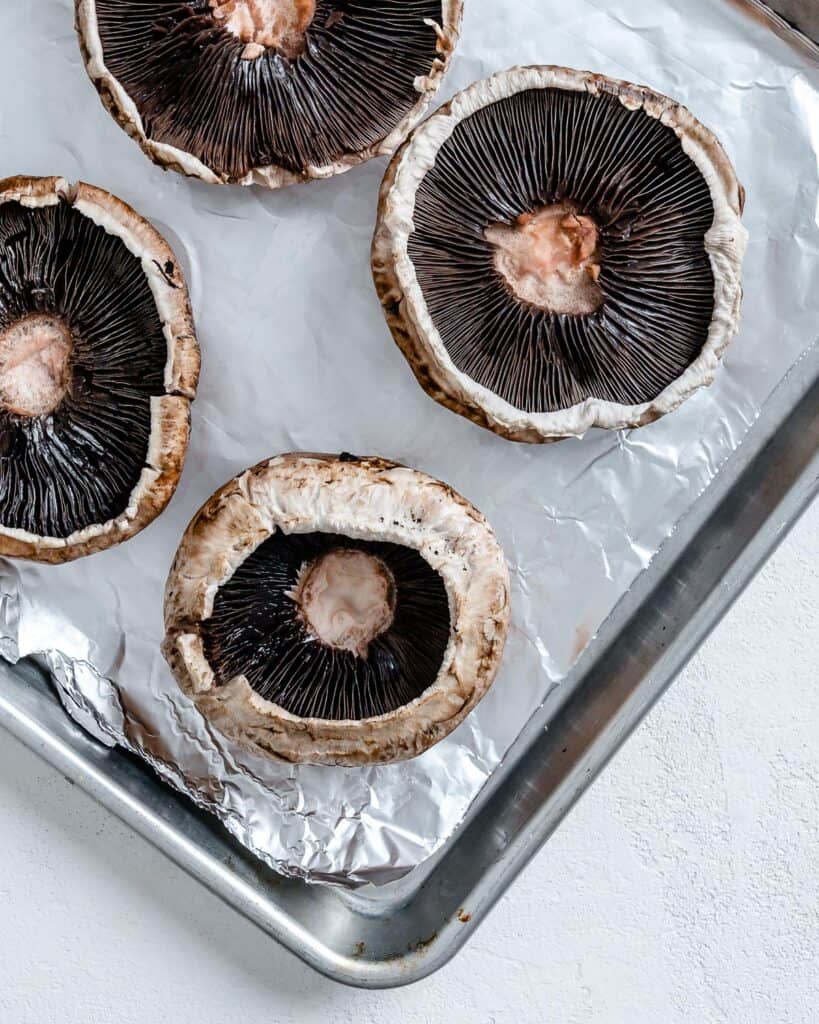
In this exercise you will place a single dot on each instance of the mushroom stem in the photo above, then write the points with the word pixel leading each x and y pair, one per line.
pixel 347 599
pixel 549 258
pixel 34 361
pixel 266 24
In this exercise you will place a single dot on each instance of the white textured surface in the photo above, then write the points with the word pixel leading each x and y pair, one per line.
pixel 683 890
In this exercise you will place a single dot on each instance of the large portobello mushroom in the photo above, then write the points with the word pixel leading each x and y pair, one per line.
pixel 267 92
pixel 98 367
pixel 335 610
pixel 556 251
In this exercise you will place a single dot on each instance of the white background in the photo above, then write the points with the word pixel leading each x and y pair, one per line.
pixel 683 889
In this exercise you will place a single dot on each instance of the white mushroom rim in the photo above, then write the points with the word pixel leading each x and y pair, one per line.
pixel 363 500
pixel 397 280
pixel 170 413
pixel 122 106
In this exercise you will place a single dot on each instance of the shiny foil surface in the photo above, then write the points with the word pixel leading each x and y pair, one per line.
pixel 296 356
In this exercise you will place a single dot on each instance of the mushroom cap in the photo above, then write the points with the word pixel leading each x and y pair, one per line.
pixel 169 411
pixel 406 306
pixel 363 499
pixel 442 25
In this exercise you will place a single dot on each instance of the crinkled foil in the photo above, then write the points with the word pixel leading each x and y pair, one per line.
pixel 296 355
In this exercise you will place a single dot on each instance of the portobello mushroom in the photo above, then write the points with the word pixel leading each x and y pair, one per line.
pixel 556 250
pixel 267 92
pixel 98 367
pixel 336 610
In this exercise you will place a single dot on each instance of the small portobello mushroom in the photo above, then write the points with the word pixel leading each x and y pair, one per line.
pixel 556 251
pixel 98 367
pixel 336 610
pixel 267 92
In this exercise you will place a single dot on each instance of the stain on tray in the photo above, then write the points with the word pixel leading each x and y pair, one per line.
pixel 422 945
pixel 581 641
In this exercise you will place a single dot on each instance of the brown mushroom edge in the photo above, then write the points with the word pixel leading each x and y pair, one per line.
pixel 123 109
pixel 362 499
pixel 170 413
pixel 404 304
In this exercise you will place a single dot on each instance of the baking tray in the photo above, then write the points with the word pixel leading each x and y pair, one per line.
pixel 407 930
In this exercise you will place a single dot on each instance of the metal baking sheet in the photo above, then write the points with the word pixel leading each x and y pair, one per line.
pixel 406 930
pixel 397 935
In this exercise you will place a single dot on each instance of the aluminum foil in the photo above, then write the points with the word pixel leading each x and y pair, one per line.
pixel 296 356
